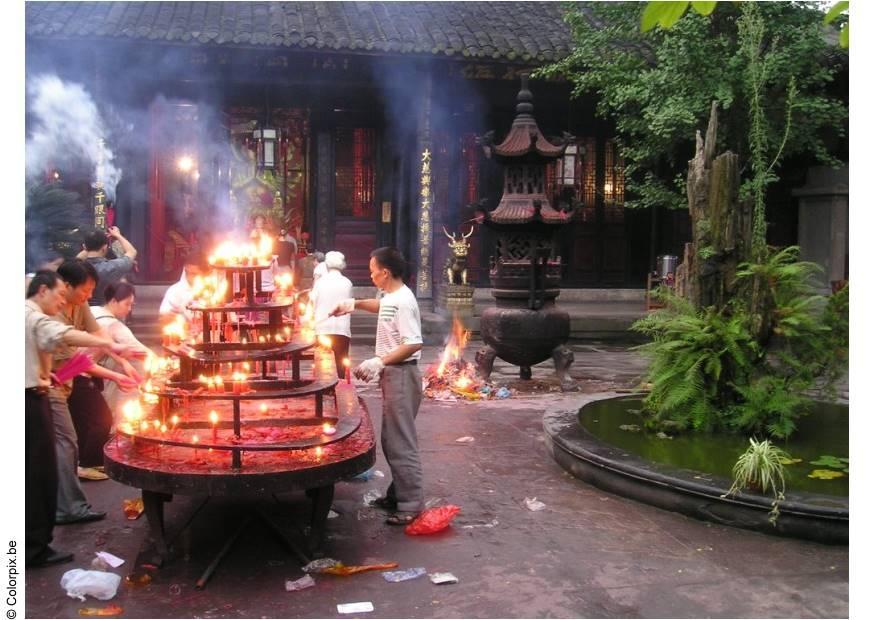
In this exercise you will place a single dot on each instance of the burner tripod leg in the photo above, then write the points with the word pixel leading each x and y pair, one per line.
pixel 201 583
pixel 153 506
pixel 322 498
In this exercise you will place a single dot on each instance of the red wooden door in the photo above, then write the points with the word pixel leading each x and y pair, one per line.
pixel 355 217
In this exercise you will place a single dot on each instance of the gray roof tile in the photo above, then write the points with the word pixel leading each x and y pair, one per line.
pixel 509 30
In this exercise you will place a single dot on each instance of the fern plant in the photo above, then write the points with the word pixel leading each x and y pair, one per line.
pixel 738 370
pixel 696 359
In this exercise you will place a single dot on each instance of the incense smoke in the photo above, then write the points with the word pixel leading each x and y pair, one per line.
pixel 67 130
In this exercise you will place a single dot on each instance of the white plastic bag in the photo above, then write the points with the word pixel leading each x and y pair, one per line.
pixel 78 583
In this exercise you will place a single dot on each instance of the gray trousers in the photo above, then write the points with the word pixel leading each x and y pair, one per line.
pixel 71 498
pixel 402 393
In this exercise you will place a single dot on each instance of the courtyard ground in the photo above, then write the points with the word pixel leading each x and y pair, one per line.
pixel 588 554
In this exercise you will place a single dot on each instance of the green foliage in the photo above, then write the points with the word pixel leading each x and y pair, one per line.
pixel 53 218
pixel 666 14
pixel 696 358
pixel 837 9
pixel 712 370
pixel 769 404
pixel 828 460
pixel 657 87
pixel 761 466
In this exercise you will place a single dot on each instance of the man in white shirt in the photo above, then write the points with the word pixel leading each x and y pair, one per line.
pixel 399 341
pixel 179 295
pixel 328 291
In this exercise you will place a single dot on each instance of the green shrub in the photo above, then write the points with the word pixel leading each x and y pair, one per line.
pixel 754 365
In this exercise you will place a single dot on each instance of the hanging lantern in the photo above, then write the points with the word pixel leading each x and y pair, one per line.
pixel 567 169
pixel 265 140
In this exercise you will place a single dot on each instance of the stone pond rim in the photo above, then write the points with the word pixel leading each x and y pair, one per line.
pixel 809 516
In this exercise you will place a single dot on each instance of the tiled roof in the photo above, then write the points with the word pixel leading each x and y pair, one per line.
pixel 522 211
pixel 521 31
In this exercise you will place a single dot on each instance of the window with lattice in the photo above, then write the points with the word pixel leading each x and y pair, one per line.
pixel 354 177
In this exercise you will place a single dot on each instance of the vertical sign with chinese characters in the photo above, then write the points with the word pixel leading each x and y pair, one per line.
pixel 99 204
pixel 423 281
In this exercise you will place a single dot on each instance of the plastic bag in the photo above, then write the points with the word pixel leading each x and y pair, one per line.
pixel 397 576
pixel 533 504
pixel 432 520
pixel 78 583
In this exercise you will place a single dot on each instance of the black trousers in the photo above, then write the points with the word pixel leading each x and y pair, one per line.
pixel 40 475
pixel 340 346
pixel 92 419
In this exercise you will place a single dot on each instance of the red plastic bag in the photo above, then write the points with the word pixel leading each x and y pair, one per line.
pixel 432 520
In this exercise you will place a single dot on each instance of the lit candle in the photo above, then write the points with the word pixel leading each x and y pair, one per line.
pixel 214 419
pixel 194 440
pixel 346 370
pixel 220 384
pixel 263 408
pixel 318 453
pixel 174 420
pixel 328 429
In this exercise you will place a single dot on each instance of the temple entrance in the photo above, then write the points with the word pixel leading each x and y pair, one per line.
pixel 355 213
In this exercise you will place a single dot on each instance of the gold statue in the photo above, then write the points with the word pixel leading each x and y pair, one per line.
pixel 457 263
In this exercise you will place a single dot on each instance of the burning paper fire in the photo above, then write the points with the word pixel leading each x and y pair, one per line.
pixel 453 376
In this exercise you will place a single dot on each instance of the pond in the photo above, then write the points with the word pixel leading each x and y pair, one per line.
pixel 823 432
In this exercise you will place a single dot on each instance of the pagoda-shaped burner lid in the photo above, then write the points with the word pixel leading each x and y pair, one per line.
pixel 525 153
pixel 525 136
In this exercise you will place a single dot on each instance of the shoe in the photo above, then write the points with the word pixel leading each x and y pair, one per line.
pixel 401 518
pixel 50 557
pixel 91 473
pixel 91 515
pixel 385 503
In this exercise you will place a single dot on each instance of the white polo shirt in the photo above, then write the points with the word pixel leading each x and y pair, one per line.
pixel 398 322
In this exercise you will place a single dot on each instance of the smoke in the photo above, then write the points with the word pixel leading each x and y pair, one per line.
pixel 67 131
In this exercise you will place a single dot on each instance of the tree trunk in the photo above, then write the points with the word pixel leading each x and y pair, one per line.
pixel 721 225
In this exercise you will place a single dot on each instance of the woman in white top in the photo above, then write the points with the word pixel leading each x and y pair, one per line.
pixel 327 292
pixel 119 302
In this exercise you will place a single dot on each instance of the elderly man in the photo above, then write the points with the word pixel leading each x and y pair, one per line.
pixel 85 405
pixel 328 291
pixel 109 271
pixel 43 334
pixel 399 340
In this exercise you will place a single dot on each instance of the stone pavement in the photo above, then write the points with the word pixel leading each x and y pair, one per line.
pixel 588 554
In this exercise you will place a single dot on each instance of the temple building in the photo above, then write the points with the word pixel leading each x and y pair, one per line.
pixel 322 115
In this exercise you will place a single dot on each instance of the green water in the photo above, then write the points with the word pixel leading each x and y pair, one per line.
pixel 824 431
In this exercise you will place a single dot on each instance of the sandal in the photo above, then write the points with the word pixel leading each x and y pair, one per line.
pixel 385 503
pixel 401 518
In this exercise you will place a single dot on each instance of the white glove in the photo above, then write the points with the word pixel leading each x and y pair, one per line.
pixel 344 307
pixel 369 370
